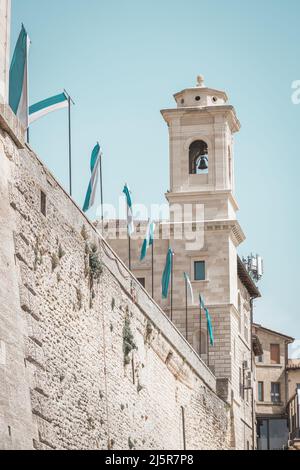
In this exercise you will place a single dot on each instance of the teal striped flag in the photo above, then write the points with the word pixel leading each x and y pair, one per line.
pixel 18 78
pixel 130 224
pixel 148 240
pixel 167 274
pixel 46 106
pixel 91 191
pixel 209 326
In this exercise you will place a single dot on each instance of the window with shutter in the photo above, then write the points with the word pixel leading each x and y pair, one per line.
pixel 275 353
pixel 260 391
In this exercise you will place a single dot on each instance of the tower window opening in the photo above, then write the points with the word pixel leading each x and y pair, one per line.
pixel 198 158
pixel 197 98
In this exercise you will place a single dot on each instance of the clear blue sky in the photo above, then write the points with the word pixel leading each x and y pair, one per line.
pixel 122 61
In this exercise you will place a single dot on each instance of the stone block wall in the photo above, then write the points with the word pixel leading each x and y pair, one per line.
pixel 88 360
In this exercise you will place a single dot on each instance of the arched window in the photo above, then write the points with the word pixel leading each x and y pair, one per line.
pixel 196 341
pixel 198 157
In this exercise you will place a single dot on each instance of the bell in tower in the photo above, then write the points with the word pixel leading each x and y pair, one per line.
pixel 198 156
pixel 203 163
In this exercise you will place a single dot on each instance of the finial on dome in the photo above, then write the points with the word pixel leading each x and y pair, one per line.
pixel 200 81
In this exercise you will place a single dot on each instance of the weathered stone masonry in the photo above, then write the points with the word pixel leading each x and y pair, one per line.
pixel 91 362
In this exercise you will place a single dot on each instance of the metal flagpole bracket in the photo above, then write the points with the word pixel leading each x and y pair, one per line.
pixel 69 96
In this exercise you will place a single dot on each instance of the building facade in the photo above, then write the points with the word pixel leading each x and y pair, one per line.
pixel 204 235
pixel 275 386
pixel 293 369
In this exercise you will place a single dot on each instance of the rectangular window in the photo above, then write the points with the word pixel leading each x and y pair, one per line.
pixel 260 394
pixel 43 203
pixel 141 281
pixel 199 270
pixel 275 392
pixel 260 359
pixel 275 353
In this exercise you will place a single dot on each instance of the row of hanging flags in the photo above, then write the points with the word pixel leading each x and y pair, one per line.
pixel 19 103
pixel 19 95
pixel 168 269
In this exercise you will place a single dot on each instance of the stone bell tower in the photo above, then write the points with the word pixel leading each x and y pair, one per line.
pixel 5 8
pixel 201 130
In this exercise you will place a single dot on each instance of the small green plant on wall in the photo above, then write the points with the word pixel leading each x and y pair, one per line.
pixel 93 267
pixel 128 341
pixel 95 264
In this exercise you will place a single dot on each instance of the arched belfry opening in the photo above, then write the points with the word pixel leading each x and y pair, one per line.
pixel 198 158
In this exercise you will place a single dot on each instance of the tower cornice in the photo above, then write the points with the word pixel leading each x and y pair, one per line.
pixel 227 110
pixel 185 196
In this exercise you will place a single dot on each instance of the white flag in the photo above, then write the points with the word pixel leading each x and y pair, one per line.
pixel 187 279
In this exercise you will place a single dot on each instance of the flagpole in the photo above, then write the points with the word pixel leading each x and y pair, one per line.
pixel 172 286
pixel 186 311
pixel 27 71
pixel 207 344
pixel 152 267
pixel 129 252
pixel 70 146
pixel 70 101
pixel 101 189
pixel 200 336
